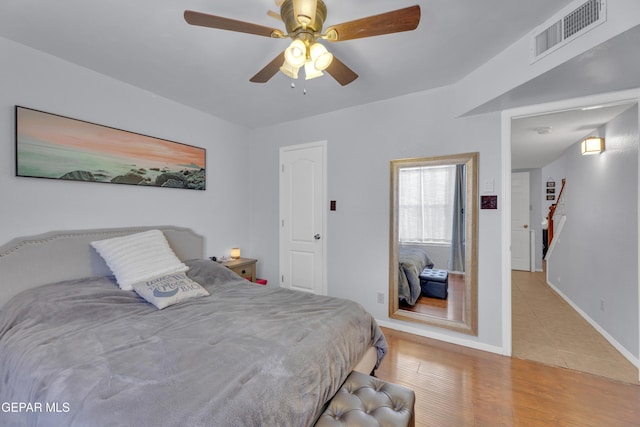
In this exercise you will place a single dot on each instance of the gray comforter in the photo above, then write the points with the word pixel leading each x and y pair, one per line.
pixel 411 263
pixel 85 353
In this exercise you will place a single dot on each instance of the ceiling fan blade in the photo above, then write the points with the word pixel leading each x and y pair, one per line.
pixel 212 21
pixel 406 19
pixel 343 74
pixel 279 2
pixel 269 70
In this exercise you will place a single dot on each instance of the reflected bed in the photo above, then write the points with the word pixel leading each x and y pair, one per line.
pixel 412 261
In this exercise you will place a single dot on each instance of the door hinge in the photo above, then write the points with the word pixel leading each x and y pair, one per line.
pixel 282 167
pixel 282 279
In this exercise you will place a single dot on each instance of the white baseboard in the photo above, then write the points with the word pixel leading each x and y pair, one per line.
pixel 630 357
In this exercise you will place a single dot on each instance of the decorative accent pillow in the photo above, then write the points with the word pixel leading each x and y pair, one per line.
pixel 139 257
pixel 168 290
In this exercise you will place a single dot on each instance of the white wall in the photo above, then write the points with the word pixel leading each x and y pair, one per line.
pixel 535 185
pixel 554 171
pixel 361 142
pixel 595 259
pixel 29 205
pixel 514 68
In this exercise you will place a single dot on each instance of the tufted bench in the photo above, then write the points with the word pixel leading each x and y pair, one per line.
pixel 367 401
pixel 434 283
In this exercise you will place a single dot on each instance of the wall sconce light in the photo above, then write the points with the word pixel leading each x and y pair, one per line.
pixel 592 145
pixel 235 253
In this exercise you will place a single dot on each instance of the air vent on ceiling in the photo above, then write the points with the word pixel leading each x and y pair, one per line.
pixel 566 27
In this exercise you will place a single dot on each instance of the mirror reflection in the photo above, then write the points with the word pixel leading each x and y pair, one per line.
pixel 433 275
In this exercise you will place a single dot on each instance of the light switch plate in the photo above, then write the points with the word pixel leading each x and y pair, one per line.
pixel 489 186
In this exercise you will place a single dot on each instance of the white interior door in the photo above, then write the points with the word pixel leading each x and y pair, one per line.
pixel 520 231
pixel 302 217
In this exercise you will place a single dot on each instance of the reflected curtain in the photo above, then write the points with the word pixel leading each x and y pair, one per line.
pixel 456 253
pixel 425 200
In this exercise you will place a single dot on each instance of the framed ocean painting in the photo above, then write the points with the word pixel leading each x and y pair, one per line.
pixel 58 147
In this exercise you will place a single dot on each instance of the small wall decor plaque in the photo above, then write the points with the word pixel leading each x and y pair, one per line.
pixel 58 147
pixel 488 202
pixel 551 189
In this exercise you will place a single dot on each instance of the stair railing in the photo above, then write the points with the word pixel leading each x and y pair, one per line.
pixel 555 209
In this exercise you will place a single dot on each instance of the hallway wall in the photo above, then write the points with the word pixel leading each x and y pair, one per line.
pixel 595 260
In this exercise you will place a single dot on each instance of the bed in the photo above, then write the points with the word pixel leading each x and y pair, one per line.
pixel 76 349
pixel 411 261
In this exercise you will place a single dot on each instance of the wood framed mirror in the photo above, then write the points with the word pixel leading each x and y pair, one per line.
pixel 433 223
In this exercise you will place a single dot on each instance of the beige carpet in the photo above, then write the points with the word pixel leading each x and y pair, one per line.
pixel 548 330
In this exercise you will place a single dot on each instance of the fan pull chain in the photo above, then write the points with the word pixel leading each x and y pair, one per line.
pixel 293 86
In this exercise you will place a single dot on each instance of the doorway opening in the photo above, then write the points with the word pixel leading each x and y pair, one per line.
pixel 513 122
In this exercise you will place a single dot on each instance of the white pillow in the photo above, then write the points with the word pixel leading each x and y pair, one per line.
pixel 139 257
pixel 168 290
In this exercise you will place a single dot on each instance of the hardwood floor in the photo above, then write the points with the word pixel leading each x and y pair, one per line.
pixel 547 329
pixel 458 387
pixel 451 308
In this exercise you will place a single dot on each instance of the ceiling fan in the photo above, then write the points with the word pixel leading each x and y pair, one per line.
pixel 303 20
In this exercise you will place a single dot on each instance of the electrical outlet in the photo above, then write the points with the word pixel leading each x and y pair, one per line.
pixel 380 297
pixel 601 305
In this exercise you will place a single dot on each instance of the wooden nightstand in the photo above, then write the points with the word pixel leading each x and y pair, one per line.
pixel 244 267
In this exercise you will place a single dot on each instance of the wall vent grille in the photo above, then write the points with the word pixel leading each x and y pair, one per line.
pixel 549 38
pixel 581 18
pixel 566 27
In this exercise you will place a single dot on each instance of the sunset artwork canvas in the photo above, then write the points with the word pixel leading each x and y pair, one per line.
pixel 57 147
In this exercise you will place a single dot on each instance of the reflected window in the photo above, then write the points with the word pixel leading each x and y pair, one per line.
pixel 426 204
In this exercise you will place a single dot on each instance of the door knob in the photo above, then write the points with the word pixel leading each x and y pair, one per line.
pixel 526 226
pixel 317 237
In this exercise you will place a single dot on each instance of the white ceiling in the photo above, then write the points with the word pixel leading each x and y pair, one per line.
pixel 539 139
pixel 148 44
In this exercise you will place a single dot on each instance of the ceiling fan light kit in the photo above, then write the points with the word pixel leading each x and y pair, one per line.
pixel 311 72
pixel 314 58
pixel 296 54
pixel 303 20
pixel 289 70
pixel 320 56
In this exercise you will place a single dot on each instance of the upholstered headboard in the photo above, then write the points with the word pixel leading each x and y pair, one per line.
pixel 31 261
